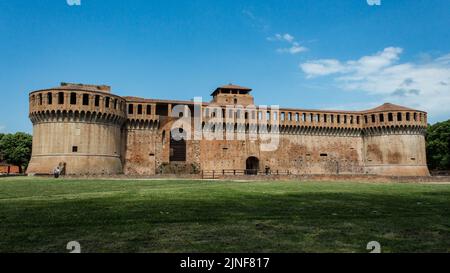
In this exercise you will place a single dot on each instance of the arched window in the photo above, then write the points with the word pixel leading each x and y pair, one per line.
pixel 73 98
pixel 399 116
pixel 149 110
pixel 381 117
pixel 390 117
pixel 49 98
pixel 408 116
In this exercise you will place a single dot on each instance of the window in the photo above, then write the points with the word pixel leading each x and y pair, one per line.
pixel 140 109
pixel 290 116
pixel 74 149
pixel 268 115
pixel 338 118
pixel 357 120
pixel 40 99
pixel 390 117
pixel 49 98
pixel 323 155
pixel 325 118
pixel 283 115
pixel 97 101
pixel 60 98
pixel 73 98
pixel 415 116
pixel 107 102
pixel 381 117
pixel 303 117
pixel 149 110
pixel 399 116
pixel 408 116
pixel 235 101
pixel 130 109
pixel 332 118
pixel 366 120
pixel 297 117
pixel 85 99
pixel 115 104
pixel 345 119
pixel 373 118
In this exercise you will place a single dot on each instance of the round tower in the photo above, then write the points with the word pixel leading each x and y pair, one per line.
pixel 394 141
pixel 76 126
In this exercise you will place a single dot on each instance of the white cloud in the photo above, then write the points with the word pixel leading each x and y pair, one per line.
pixel 294 46
pixel 425 85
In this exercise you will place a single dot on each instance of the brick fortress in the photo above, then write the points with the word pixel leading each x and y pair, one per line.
pixel 92 131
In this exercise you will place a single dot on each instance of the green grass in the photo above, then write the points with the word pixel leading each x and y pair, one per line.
pixel 41 215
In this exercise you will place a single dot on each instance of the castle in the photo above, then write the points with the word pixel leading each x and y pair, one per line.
pixel 92 131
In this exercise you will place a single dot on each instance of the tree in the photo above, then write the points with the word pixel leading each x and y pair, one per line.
pixel 16 149
pixel 438 146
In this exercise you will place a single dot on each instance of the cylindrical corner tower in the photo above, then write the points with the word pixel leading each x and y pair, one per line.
pixel 78 126
pixel 394 141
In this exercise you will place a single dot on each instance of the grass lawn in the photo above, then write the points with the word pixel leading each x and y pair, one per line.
pixel 42 215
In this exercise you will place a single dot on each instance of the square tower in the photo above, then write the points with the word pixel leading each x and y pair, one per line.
pixel 232 95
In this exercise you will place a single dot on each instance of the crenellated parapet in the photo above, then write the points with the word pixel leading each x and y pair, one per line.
pixel 76 103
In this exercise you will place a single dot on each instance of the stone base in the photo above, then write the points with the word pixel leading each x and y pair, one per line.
pixel 79 164
pixel 397 170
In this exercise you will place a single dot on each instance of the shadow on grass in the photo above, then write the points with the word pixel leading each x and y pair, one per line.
pixel 224 221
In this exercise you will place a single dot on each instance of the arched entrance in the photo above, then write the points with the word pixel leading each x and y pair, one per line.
pixel 252 166
pixel 178 145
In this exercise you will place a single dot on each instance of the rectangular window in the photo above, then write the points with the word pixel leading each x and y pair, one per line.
pixel 85 99
pixel 74 149
pixel 107 102
pixel 60 98
pixel 73 98
pixel 149 110
pixel 381 118
pixel 97 101
pixel 130 109
pixel 140 109
pixel 49 98
pixel 399 116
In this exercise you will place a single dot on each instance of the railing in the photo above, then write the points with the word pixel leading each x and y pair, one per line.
pixel 213 174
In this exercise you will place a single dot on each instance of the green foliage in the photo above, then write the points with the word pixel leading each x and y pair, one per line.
pixel 16 149
pixel 438 146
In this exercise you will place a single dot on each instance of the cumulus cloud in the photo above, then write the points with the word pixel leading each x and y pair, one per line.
pixel 425 85
pixel 294 46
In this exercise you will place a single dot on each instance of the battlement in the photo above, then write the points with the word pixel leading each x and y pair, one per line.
pixel 93 87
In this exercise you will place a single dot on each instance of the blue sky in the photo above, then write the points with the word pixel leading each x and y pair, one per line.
pixel 328 54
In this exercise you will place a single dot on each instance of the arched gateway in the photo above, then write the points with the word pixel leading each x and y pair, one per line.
pixel 252 166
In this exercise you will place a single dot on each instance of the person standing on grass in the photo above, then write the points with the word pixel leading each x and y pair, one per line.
pixel 56 172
